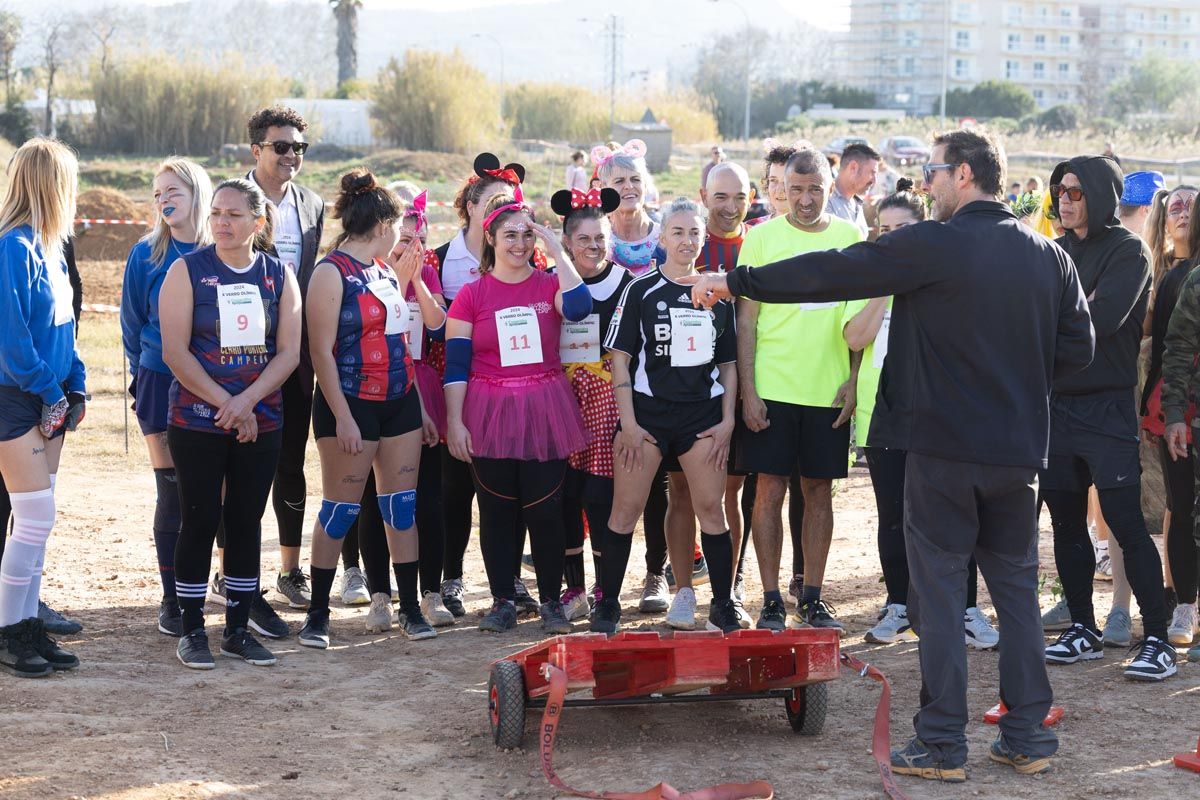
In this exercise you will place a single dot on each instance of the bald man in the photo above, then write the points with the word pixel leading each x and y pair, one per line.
pixel 726 195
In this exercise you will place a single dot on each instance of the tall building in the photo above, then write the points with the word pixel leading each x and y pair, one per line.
pixel 1061 51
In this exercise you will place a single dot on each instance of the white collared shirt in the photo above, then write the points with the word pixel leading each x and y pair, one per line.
pixel 288 235
pixel 460 267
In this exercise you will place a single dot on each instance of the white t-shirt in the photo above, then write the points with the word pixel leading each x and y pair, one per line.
pixel 577 178
pixel 288 235
pixel 460 267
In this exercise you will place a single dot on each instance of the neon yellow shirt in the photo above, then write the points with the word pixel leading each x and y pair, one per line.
pixel 868 378
pixel 801 356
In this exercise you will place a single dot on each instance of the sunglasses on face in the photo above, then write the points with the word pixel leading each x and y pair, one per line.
pixel 928 170
pixel 281 148
pixel 1073 193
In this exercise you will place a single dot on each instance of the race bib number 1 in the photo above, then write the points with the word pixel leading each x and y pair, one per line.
pixel 394 305
pixel 579 342
pixel 692 337
pixel 518 336
pixel 243 318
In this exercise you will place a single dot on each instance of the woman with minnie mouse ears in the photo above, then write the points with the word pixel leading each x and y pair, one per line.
pixel 589 485
pixel 635 234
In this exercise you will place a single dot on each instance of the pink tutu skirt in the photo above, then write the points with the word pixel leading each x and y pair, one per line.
pixel 432 395
pixel 531 418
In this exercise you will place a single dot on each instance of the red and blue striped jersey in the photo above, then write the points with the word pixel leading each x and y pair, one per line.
pixel 720 254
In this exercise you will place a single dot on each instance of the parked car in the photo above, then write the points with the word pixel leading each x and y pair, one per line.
pixel 904 151
pixel 839 144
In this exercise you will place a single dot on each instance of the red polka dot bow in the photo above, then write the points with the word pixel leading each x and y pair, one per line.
pixel 589 198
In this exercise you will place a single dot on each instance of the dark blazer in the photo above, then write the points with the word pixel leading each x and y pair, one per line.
pixel 311 209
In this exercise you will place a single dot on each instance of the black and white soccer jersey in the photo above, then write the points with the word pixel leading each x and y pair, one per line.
pixel 674 349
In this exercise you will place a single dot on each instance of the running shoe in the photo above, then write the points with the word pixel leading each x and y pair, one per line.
pixel 743 616
pixel 1193 655
pixel 773 616
pixel 501 617
pixel 240 643
pixel 18 651
pixel 413 623
pixel 595 595
pixel 1001 753
pixel 699 573
pixel 524 601
pixel 795 589
pixel 916 759
pixel 978 630
pixel 1058 618
pixel 607 616
pixel 315 632
pixel 739 589
pixel 1074 644
pixel 193 651
pixel 170 618
pixel 554 620
pixel 1155 661
pixel 435 610
pixel 379 617
pixel 56 623
pixel 894 627
pixel 722 616
pixel 354 588
pixel 655 597
pixel 216 590
pixel 682 616
pixel 575 604
pixel 527 563
pixel 293 587
pixel 452 596
pixel 1103 569
pixel 818 614
pixel 1118 628
pixel 1182 629
pixel 263 619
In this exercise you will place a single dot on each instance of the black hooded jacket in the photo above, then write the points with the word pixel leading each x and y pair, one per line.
pixel 1114 273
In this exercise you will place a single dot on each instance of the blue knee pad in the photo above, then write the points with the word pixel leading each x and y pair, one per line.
pixel 337 518
pixel 399 509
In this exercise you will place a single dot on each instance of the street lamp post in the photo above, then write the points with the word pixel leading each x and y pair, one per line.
pixel 749 61
pixel 500 50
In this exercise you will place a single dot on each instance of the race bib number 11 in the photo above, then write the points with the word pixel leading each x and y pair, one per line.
pixel 519 337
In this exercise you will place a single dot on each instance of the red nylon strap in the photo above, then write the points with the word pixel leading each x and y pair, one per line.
pixel 549 729
pixel 880 737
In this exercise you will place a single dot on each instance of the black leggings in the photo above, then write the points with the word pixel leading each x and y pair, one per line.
pixel 795 519
pixel 508 492
pixel 204 463
pixel 654 524
pixel 289 490
pixel 1180 482
pixel 584 496
pixel 458 492
pixel 1076 560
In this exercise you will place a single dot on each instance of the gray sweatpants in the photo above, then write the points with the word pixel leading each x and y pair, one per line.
pixel 951 510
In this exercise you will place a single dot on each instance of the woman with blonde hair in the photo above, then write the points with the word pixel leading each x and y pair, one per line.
pixel 42 392
pixel 182 196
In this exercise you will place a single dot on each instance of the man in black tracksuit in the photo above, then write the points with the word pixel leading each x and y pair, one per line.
pixel 1094 424
pixel 986 314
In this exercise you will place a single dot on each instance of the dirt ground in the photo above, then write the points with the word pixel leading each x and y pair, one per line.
pixel 377 716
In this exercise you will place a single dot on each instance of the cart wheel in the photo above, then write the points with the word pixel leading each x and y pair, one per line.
pixel 506 704
pixel 806 708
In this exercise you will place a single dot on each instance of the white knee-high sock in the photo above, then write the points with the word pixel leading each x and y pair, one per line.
pixel 35 580
pixel 33 519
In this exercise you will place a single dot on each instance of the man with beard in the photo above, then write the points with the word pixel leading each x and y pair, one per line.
pixel 859 167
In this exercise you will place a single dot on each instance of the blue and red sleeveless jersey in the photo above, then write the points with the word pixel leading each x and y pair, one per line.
pixel 371 365
pixel 234 368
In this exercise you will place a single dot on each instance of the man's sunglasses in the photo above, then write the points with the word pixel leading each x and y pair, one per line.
pixel 281 148
pixel 1074 193
pixel 928 170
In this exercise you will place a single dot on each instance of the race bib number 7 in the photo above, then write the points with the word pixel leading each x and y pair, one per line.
pixel 693 337
pixel 243 318
pixel 518 336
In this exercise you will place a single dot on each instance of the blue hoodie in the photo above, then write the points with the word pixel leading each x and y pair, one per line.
pixel 141 335
pixel 36 355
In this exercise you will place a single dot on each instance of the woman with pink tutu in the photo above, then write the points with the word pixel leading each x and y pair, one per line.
pixel 510 412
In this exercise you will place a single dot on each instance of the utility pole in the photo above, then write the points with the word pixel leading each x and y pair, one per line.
pixel 612 72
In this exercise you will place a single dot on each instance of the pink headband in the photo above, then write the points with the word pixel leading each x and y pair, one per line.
pixel 417 209
pixel 634 148
pixel 519 205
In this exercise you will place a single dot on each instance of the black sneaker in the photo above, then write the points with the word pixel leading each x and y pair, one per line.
pixel 502 617
pixel 315 632
pixel 773 616
pixel 523 600
pixel 56 623
pixel 170 619
pixel 1001 753
pixel 723 616
pixel 242 644
pixel 18 654
pixel 606 618
pixel 452 596
pixel 916 759
pixel 413 622
pixel 1155 661
pixel 818 614
pixel 554 619
pixel 293 587
pixel 48 649
pixel 264 620
pixel 193 650
pixel 699 573
pixel 1076 643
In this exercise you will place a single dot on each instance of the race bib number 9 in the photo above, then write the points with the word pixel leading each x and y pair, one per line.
pixel 692 337
pixel 394 305
pixel 519 337
pixel 243 318
pixel 579 342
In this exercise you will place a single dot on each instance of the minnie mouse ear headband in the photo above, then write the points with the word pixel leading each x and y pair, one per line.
pixel 519 205
pixel 487 167
pixel 417 209
pixel 566 202
pixel 634 148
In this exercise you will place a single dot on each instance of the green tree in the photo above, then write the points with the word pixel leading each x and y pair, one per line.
pixel 435 101
pixel 721 78
pixel 10 37
pixel 1153 85
pixel 988 99
pixel 346 14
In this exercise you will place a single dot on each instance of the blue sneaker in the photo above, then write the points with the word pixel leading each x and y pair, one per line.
pixel 1001 753
pixel 915 759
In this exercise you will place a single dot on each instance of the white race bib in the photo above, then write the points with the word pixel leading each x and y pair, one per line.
pixel 518 336
pixel 64 294
pixel 579 342
pixel 243 318
pixel 416 330
pixel 394 306
pixel 287 245
pixel 816 306
pixel 693 337
pixel 881 341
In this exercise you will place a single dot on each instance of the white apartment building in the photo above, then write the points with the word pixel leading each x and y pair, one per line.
pixel 1061 51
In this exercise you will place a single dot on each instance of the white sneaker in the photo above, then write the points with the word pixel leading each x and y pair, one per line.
pixel 1182 629
pixel 379 618
pixel 743 616
pixel 893 627
pixel 354 588
pixel 682 616
pixel 435 611
pixel 978 630
pixel 1103 566
pixel 575 604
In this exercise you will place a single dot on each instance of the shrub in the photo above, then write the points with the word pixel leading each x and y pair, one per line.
pixel 1059 118
pixel 16 124
pixel 435 101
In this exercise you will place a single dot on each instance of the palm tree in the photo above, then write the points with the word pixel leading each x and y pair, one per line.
pixel 346 14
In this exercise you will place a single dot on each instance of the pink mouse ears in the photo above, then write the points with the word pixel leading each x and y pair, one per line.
pixel 634 148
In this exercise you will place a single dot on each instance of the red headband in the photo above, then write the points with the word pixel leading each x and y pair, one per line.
pixel 519 205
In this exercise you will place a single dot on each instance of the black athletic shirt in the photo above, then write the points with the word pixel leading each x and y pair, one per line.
pixel 642 328
pixel 606 291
